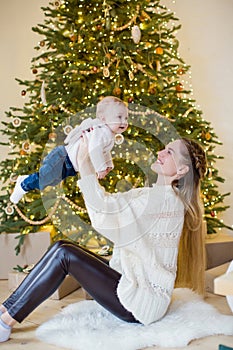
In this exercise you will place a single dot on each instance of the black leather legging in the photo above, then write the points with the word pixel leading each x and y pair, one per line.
pixel 63 258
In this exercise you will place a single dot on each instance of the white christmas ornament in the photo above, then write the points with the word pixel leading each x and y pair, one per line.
pixel 26 147
pixel 67 129
pixel 136 34
pixel 9 210
pixel 119 139
pixel 16 122
pixel 42 94
pixel 13 177
pixel 106 72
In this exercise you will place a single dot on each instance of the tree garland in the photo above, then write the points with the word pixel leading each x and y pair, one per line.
pixel 49 216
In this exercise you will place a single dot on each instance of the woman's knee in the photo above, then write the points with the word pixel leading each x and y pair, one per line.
pixel 59 243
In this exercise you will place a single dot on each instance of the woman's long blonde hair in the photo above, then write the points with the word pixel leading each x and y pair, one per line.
pixel 191 257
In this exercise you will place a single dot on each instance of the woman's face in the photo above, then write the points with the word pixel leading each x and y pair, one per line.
pixel 169 162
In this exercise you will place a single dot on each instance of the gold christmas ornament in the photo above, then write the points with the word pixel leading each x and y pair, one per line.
pixel 159 50
pixel 148 45
pixel 117 91
pixel 108 55
pixel 136 34
pixel 207 136
pixel 152 89
pixel 73 37
pixel 144 16
pixel 119 139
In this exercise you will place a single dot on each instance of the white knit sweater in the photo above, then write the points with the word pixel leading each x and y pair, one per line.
pixel 145 225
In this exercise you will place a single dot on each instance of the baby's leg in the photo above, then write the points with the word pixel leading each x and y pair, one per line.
pixel 55 167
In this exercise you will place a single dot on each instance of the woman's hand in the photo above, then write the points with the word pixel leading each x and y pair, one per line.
pixel 84 162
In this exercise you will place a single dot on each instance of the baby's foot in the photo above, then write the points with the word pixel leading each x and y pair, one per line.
pixel 5 331
pixel 18 192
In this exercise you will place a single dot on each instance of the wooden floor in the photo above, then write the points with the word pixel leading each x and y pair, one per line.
pixel 23 335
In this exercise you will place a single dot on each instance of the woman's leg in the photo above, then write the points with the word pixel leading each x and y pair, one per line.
pixel 30 277
pixel 98 279
pixel 34 272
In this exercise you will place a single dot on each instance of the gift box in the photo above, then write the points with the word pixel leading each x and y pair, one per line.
pixel 68 285
pixel 34 246
pixel 219 250
pixel 223 285
pixel 213 273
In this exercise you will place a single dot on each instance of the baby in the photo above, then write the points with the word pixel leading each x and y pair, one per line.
pixel 62 161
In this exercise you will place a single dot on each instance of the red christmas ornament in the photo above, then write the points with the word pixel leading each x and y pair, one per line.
pixel 179 87
pixel 180 71
pixel 23 92
pixel 34 71
pixel 130 99
pixel 95 69
pixel 212 213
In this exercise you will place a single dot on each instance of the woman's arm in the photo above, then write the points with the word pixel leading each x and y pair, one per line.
pixel 85 166
pixel 121 216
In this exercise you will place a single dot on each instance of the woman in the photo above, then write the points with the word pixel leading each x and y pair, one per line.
pixel 145 225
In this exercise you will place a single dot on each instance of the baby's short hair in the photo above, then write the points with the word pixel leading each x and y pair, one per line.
pixel 105 102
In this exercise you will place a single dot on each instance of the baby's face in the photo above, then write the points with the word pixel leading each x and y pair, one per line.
pixel 116 117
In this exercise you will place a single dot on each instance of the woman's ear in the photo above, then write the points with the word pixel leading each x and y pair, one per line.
pixel 183 170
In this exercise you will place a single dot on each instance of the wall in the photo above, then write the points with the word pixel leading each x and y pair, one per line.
pixel 206 39
pixel 205 44
pixel 17 49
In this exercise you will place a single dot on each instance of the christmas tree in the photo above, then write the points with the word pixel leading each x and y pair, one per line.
pixel 88 50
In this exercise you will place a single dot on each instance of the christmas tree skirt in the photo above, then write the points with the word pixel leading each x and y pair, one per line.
pixel 86 326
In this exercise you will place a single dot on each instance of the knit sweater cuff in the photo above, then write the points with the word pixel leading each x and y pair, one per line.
pixel 90 188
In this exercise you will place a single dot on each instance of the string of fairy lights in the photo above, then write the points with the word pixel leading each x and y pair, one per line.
pixel 110 69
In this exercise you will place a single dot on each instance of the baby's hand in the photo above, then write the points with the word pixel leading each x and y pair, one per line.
pixel 102 174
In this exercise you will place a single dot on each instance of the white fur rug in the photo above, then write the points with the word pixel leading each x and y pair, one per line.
pixel 86 326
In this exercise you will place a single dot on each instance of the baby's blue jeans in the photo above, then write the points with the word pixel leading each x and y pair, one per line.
pixel 55 167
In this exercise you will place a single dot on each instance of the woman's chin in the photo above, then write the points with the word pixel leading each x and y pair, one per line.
pixel 156 167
